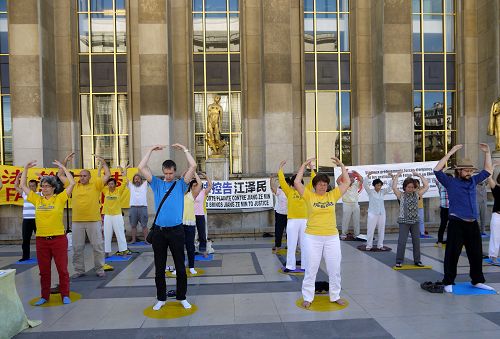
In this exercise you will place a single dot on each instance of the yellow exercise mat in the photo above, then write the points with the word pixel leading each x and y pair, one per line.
pixel 322 303
pixel 291 272
pixel 442 245
pixel 171 310
pixel 56 300
pixel 199 272
pixel 412 267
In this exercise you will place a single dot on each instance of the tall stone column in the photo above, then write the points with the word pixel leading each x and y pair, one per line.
pixel 278 89
pixel 66 66
pixel 486 63
pixel 395 127
pixel 364 136
pixel 152 35
pixel 253 93
pixel 181 88
pixel 25 82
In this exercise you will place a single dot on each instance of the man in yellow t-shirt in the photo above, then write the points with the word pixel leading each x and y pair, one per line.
pixel 87 218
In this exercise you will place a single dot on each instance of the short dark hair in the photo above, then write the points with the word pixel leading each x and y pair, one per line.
pixel 292 180
pixel 408 181
pixel 169 164
pixel 320 178
pixel 416 182
pixel 33 181
pixel 111 179
pixel 191 183
pixel 377 181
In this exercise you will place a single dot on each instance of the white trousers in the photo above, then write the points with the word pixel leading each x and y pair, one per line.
pixel 494 235
pixel 375 221
pixel 327 247
pixel 114 223
pixel 350 209
pixel 295 231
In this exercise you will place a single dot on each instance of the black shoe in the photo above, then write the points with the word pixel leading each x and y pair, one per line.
pixel 23 259
pixel 419 264
pixel 286 270
pixel 171 294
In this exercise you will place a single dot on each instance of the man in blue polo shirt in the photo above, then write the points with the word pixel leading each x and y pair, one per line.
pixel 463 229
pixel 168 231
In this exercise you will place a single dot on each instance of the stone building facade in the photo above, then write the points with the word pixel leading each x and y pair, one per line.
pixel 374 81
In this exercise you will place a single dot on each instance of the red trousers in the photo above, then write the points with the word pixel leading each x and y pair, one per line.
pixel 56 248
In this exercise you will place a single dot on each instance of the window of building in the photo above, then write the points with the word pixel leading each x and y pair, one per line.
pixel 5 114
pixel 102 33
pixel 327 62
pixel 216 72
pixel 434 85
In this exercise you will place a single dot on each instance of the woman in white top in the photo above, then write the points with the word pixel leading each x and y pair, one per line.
pixel 200 212
pixel 280 213
pixel 376 210
pixel 29 225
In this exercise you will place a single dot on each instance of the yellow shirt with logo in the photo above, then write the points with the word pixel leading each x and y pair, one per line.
pixel 49 213
pixel 321 212
pixel 297 208
pixel 86 202
pixel 112 203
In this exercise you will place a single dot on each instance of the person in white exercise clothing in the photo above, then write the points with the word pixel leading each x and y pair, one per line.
pixel 322 237
pixel 376 210
pixel 350 205
pixel 138 212
pixel 494 245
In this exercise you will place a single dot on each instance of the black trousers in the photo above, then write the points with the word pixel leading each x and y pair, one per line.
pixel 202 235
pixel 443 213
pixel 163 239
pixel 280 221
pixel 189 234
pixel 29 227
pixel 463 233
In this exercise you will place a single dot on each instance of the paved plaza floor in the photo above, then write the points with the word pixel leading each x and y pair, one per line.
pixel 242 295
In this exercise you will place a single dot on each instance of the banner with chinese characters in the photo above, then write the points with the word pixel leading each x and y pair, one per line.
pixel 9 195
pixel 240 194
pixel 383 172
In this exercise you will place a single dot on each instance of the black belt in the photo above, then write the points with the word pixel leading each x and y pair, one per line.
pixel 165 228
pixel 52 237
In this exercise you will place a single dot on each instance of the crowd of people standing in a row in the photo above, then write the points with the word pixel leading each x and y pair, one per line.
pixel 310 219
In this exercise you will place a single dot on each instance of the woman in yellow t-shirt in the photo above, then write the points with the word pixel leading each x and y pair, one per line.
pixel 51 241
pixel 321 235
pixel 113 218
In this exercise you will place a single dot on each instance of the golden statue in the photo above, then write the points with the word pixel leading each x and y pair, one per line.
pixel 214 122
pixel 494 124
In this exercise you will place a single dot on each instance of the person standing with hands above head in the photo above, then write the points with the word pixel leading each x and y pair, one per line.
pixel 376 210
pixel 297 218
pixel 494 245
pixel 51 240
pixel 408 215
pixel 463 228
pixel 322 237
pixel 138 212
pixel 86 205
pixel 168 231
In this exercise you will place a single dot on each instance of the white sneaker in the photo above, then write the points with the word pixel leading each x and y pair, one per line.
pixel 186 304
pixel 158 305
pixel 193 271
pixel 484 287
pixel 174 273
pixel 448 288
